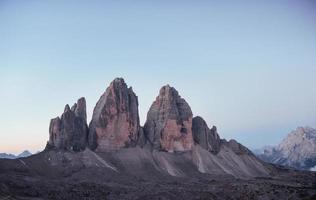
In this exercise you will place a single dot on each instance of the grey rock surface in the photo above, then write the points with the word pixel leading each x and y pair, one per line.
pixel 205 137
pixel 169 122
pixel 70 131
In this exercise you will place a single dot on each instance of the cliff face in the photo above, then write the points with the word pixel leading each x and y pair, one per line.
pixel 115 120
pixel 205 137
pixel 69 132
pixel 169 122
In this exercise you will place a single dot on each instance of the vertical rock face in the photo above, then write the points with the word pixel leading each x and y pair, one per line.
pixel 115 120
pixel 169 122
pixel 79 108
pixel 70 131
pixel 205 137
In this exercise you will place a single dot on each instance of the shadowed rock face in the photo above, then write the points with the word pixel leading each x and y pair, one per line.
pixel 79 108
pixel 115 120
pixel 70 131
pixel 169 122
pixel 205 137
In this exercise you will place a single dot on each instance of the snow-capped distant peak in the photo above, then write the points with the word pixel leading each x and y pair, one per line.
pixel 297 150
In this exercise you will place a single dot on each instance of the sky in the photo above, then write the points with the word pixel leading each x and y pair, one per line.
pixel 247 67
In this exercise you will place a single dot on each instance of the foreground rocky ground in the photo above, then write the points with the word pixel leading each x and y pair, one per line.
pixel 58 175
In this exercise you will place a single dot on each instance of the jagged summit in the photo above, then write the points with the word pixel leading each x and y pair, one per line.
pixel 67 108
pixel 115 119
pixel 297 150
pixel 70 131
pixel 79 108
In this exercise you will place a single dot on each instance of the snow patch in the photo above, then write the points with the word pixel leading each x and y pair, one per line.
pixel 313 169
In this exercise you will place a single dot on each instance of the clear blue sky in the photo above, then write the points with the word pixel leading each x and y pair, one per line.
pixel 248 67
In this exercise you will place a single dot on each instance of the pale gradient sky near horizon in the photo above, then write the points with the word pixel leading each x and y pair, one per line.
pixel 247 67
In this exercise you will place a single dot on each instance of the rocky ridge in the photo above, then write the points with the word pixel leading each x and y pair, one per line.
pixel 70 131
pixel 170 128
pixel 297 150
pixel 24 154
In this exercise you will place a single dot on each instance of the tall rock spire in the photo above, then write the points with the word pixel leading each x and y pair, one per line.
pixel 115 119
pixel 169 122
pixel 69 132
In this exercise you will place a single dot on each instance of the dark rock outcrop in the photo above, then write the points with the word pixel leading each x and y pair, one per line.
pixel 115 120
pixel 79 109
pixel 169 122
pixel 205 137
pixel 70 131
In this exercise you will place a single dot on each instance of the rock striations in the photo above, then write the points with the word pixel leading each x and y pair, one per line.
pixel 70 131
pixel 169 122
pixel 115 120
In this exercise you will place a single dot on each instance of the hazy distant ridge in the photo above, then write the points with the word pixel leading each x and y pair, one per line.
pixel 297 150
pixel 24 154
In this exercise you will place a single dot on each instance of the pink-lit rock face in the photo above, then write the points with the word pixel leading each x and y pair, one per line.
pixel 169 122
pixel 115 120
pixel 173 137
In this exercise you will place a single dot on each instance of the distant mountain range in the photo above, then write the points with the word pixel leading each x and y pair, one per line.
pixel 297 150
pixel 24 154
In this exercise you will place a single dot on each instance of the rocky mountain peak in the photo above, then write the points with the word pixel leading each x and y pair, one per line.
pixel 303 132
pixel 297 150
pixel 115 119
pixel 167 90
pixel 80 108
pixel 169 122
pixel 67 108
pixel 69 132
pixel 299 143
